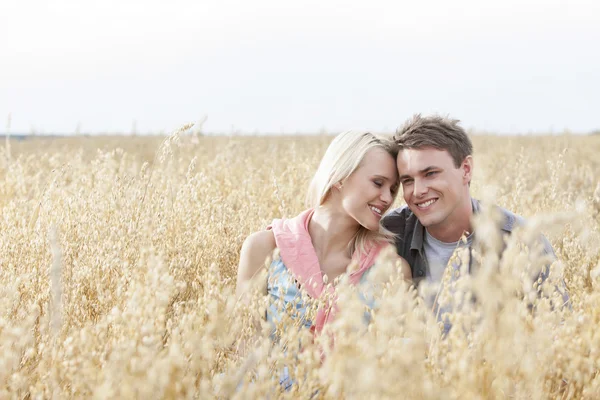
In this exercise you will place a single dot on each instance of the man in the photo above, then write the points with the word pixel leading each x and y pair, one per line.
pixel 435 164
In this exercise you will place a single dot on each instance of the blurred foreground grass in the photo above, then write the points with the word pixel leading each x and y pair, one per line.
pixel 118 259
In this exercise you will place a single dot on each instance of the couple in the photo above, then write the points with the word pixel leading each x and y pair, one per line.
pixel 355 185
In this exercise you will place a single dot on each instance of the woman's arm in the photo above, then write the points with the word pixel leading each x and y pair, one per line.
pixel 256 249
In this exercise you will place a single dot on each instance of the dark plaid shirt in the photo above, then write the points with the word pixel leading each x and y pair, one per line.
pixel 410 234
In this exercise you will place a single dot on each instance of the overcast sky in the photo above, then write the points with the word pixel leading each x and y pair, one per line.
pixel 507 66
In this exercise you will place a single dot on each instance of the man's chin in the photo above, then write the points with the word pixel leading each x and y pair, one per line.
pixel 426 220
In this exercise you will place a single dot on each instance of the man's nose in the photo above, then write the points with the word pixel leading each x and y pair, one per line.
pixel 419 188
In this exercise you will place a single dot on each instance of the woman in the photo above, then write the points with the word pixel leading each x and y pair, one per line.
pixel 355 184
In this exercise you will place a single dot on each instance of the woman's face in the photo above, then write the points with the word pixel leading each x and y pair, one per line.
pixel 371 189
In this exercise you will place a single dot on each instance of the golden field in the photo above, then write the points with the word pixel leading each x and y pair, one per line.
pixel 118 259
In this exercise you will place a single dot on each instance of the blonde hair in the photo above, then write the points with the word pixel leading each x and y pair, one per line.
pixel 343 156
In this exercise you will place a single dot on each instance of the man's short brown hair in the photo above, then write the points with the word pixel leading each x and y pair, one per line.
pixel 435 131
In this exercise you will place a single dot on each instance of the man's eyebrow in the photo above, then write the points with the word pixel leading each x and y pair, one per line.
pixel 426 170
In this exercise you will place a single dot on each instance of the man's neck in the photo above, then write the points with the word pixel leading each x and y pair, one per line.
pixel 456 225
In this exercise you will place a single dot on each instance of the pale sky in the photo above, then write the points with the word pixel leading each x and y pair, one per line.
pixel 504 66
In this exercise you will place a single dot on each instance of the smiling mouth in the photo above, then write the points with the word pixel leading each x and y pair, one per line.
pixel 426 204
pixel 376 211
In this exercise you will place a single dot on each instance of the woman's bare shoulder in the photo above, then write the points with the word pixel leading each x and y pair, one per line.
pixel 256 249
pixel 261 242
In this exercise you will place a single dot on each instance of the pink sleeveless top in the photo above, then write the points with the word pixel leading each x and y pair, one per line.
pixel 299 256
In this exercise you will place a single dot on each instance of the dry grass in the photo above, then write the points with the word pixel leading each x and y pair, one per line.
pixel 118 259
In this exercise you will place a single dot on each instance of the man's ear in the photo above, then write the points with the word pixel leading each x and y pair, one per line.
pixel 467 169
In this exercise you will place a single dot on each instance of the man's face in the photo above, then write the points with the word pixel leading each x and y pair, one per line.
pixel 433 187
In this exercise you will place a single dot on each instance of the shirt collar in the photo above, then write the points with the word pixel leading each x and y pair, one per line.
pixel 417 238
pixel 508 218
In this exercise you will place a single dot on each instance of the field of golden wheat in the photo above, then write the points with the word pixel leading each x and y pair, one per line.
pixel 118 259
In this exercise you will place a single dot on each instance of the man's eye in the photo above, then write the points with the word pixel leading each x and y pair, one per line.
pixel 407 182
pixel 431 173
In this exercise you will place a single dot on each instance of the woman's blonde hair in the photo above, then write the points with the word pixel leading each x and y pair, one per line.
pixel 343 156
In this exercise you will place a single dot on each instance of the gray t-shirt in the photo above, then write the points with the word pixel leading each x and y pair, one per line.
pixel 438 254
